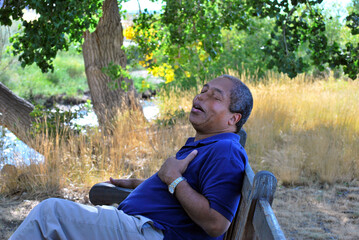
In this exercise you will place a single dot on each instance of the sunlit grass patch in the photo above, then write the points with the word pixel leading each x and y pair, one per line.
pixel 306 131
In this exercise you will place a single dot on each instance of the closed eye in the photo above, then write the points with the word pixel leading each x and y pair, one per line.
pixel 218 98
pixel 203 90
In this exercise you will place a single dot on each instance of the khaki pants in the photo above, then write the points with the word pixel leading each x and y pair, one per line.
pixel 63 219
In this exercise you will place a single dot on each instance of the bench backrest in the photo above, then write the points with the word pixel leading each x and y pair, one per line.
pixel 255 218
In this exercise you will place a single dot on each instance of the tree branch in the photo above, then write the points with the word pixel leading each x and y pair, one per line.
pixel 139 6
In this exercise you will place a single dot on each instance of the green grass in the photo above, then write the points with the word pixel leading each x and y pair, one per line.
pixel 68 77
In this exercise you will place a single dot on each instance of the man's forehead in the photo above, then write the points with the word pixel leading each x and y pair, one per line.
pixel 222 85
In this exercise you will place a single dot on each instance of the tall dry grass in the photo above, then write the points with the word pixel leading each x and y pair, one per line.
pixel 303 130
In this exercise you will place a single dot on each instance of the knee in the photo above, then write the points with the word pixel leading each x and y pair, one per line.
pixel 50 204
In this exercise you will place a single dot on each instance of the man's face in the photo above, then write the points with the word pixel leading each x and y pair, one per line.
pixel 210 111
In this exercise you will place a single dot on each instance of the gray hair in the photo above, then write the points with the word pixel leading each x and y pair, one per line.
pixel 241 100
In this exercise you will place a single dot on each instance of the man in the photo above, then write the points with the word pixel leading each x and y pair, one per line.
pixel 193 196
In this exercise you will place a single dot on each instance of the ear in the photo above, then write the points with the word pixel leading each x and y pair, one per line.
pixel 234 119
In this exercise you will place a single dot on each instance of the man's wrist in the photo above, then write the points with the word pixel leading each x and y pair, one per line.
pixel 172 186
pixel 171 177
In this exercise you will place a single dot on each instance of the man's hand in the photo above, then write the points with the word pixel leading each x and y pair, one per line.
pixel 195 204
pixel 173 168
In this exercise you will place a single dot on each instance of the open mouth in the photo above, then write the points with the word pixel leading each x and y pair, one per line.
pixel 197 107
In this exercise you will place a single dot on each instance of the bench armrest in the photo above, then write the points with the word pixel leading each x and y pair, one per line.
pixel 107 194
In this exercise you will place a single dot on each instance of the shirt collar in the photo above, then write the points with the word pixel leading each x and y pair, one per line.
pixel 231 136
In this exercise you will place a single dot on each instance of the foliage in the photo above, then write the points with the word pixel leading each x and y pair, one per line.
pixel 201 23
pixel 142 84
pixel 189 35
pixel 133 54
pixel 59 24
pixel 353 18
pixel 352 64
pixel 117 74
pixel 243 50
pixel 4 35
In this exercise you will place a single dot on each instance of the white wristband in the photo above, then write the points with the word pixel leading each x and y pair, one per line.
pixel 173 185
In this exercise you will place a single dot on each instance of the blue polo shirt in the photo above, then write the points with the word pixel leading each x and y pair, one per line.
pixel 216 173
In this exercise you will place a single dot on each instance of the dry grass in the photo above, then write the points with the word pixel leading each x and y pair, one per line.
pixel 302 130
pixel 306 131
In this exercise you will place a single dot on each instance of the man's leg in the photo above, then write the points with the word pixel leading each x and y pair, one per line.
pixel 63 219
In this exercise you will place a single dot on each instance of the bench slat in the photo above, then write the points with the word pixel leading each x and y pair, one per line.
pixel 257 187
pixel 265 223
pixel 242 212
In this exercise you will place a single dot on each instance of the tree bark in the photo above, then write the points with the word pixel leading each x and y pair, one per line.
pixel 99 49
pixel 15 113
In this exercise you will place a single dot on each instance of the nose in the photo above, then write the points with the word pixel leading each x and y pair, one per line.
pixel 201 96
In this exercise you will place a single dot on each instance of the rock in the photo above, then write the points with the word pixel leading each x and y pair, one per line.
pixel 146 94
pixel 8 170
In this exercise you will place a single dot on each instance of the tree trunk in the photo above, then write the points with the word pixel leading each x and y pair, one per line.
pixel 14 113
pixel 100 48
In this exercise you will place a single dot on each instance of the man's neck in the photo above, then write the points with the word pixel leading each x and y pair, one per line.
pixel 200 136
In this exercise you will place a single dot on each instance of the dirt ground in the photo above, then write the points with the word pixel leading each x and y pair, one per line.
pixel 319 212
pixel 304 212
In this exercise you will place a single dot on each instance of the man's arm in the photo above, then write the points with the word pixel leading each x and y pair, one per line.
pixel 198 209
pixel 195 204
pixel 131 183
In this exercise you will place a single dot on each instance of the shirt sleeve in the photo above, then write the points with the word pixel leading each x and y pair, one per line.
pixel 221 181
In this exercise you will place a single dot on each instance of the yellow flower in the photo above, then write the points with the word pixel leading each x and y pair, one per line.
pixel 169 78
pixel 142 63
pixel 129 33
pixel 165 70
pixel 202 57
pixel 154 71
pixel 170 75
pixel 143 85
pixel 149 57
pixel 187 74
pixel 161 71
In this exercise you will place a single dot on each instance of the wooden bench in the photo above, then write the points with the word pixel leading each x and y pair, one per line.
pixel 254 218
